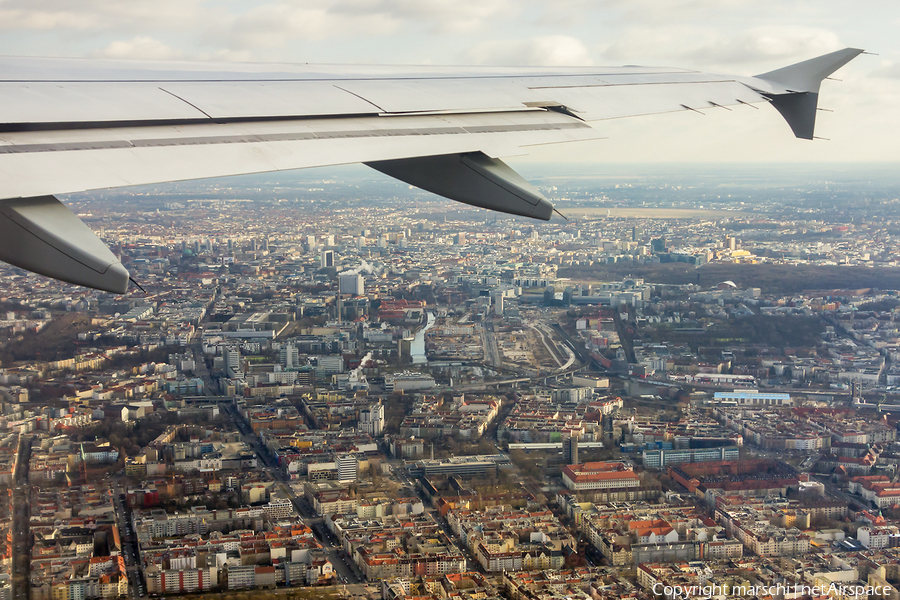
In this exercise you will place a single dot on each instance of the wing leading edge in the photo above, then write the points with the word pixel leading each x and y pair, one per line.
pixel 69 126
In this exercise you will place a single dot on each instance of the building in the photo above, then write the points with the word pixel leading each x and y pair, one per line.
pixel 658 459
pixel 329 364
pixel 754 529
pixel 352 283
pixel 460 465
pixel 348 467
pixel 498 304
pixel 371 419
pixel 183 581
pixel 408 448
pixel 241 577
pixel 876 538
pixel 328 498
pixel 232 361
pixel 591 382
pixel 599 475
pixel 94 453
pixel 326 261
pixel 279 508
pixel 570 450
pixel 750 477
pixel 407 381
pixel 289 357
pixel 752 398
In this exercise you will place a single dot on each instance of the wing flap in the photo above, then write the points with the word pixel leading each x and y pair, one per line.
pixel 43 236
pixel 472 178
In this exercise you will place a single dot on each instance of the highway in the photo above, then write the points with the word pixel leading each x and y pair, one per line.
pixel 551 351
pixel 575 361
pixel 489 343
pixel 554 347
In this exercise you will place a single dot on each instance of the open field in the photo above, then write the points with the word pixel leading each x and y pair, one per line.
pixel 771 278
pixel 655 213
pixel 58 339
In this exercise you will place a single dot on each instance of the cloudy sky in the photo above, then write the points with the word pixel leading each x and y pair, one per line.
pixel 726 36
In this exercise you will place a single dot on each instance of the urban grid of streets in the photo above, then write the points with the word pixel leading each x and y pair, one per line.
pixel 667 338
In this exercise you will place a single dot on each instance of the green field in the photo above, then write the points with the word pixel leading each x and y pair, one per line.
pixel 655 213
pixel 771 279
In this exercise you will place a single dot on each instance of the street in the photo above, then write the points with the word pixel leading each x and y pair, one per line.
pixel 21 533
pixel 346 570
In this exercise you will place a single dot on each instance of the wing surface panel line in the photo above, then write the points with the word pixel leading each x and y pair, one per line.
pixel 364 99
pixel 280 137
pixel 174 95
pixel 634 83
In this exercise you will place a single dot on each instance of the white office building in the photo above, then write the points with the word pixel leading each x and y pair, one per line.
pixel 289 356
pixel 330 364
pixel 232 360
pixel 348 467
pixel 352 283
pixel 371 419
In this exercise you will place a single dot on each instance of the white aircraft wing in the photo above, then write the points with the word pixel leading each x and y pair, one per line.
pixel 76 125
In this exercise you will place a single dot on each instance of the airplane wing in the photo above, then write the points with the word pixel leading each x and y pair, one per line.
pixel 75 125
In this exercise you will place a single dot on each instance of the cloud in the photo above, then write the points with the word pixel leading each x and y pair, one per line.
pixel 12 19
pixel 888 69
pixel 277 24
pixel 273 25
pixel 97 15
pixel 708 47
pixel 442 16
pixel 139 48
pixel 771 43
pixel 251 30
pixel 653 11
pixel 549 50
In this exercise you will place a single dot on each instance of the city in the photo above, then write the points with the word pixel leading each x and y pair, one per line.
pixel 332 385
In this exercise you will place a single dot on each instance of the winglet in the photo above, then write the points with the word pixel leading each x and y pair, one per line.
pixel 807 75
pixel 801 81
